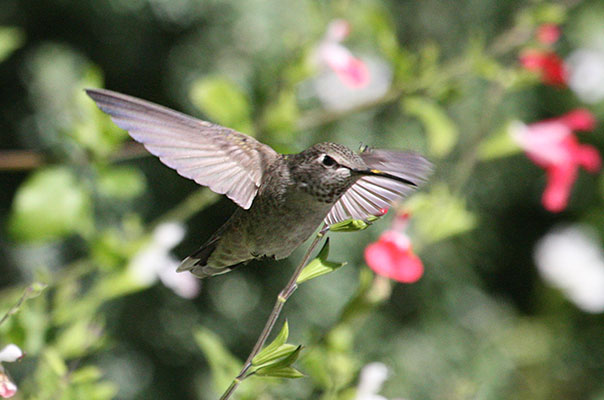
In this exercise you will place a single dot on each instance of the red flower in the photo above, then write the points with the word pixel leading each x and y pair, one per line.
pixel 392 256
pixel 351 70
pixel 548 33
pixel 552 145
pixel 548 64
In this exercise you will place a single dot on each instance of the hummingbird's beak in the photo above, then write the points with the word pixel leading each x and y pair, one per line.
pixel 377 172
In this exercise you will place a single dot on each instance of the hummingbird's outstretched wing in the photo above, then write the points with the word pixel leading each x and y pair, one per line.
pixel 370 194
pixel 226 161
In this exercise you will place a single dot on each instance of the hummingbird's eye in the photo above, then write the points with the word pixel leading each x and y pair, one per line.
pixel 328 161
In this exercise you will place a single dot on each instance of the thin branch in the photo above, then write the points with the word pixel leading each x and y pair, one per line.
pixel 23 160
pixel 287 291
pixel 27 293
pixel 19 160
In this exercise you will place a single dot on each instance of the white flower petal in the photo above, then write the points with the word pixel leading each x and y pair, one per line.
pixel 572 260
pixel 586 77
pixel 154 257
pixel 168 234
pixel 10 353
pixel 371 380
pixel 184 285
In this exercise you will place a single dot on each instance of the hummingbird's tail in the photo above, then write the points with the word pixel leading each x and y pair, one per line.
pixel 194 266
pixel 197 263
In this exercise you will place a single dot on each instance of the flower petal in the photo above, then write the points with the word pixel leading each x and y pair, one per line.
pixel 409 269
pixel 7 387
pixel 560 180
pixel 553 70
pixel 10 353
pixel 588 157
pixel 391 256
pixel 579 120
pixel 549 65
pixel 354 74
pixel 548 33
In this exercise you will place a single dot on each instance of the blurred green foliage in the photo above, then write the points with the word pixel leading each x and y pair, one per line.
pixel 480 324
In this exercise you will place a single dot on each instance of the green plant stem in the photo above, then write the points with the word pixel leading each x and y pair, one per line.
pixel 287 291
pixel 15 308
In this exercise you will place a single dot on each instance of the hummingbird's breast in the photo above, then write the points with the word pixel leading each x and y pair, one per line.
pixel 278 224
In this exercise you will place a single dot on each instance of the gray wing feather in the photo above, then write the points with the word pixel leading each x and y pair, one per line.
pixel 227 161
pixel 370 194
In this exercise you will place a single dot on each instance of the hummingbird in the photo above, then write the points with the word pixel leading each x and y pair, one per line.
pixel 282 198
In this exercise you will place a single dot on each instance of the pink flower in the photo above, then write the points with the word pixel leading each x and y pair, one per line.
pixel 7 387
pixel 552 145
pixel 548 64
pixel 392 256
pixel 548 33
pixel 351 70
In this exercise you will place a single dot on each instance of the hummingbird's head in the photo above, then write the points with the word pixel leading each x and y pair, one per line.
pixel 326 170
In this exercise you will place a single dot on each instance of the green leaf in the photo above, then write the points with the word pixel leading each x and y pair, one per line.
pixel 441 130
pixel 121 182
pixel 324 252
pixel 49 205
pixel 78 338
pixel 280 365
pixel 281 116
pixel 286 372
pixel 282 351
pixel 223 102
pixel 86 374
pixel 439 214
pixel 500 144
pixel 223 364
pixel 11 38
pixel 267 353
pixel 319 266
pixel 549 12
pixel 349 225
pixel 92 129
pixel 55 362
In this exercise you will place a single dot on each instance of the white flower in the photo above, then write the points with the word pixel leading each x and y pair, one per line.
pixel 586 78
pixel 572 260
pixel 371 380
pixel 9 353
pixel 154 261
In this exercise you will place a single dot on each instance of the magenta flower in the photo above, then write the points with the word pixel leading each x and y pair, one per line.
pixel 392 255
pixel 553 146
pixel 351 70
pixel 550 67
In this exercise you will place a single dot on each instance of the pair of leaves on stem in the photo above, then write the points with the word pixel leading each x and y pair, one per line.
pixel 276 359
